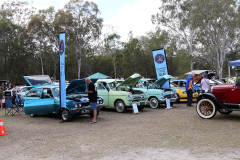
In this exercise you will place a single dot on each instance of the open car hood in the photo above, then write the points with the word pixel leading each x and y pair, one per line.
pixel 38 80
pixel 77 86
pixel 162 80
pixel 131 81
pixel 209 75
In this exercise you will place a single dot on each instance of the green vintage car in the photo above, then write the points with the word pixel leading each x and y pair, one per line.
pixel 121 95
pixel 155 93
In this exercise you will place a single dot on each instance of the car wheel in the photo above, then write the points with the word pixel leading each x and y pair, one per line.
pixel 154 102
pixel 224 111
pixel 178 98
pixel 91 114
pixel 206 108
pixel 66 115
pixel 120 106
pixel 33 115
pixel 140 108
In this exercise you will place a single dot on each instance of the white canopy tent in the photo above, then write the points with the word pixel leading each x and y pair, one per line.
pixel 196 72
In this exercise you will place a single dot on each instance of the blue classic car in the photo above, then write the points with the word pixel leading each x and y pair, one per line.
pixel 156 94
pixel 44 98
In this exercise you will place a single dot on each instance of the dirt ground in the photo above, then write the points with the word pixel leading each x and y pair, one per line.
pixel 153 134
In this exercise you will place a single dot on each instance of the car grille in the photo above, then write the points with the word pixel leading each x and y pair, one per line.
pixel 85 104
pixel 169 96
pixel 138 98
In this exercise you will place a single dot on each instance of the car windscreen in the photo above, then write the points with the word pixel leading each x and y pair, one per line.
pixel 39 80
pixel 148 82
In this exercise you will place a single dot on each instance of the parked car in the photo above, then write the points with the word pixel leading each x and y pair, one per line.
pixel 45 99
pixel 155 93
pixel 120 95
pixel 21 90
pixel 182 93
pixel 224 99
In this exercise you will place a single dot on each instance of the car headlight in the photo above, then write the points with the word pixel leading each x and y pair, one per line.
pixel 98 102
pixel 184 92
pixel 79 105
pixel 145 93
pixel 130 95
pixel 76 105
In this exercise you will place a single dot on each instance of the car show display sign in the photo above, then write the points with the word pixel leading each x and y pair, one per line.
pixel 62 86
pixel 159 58
pixel 135 108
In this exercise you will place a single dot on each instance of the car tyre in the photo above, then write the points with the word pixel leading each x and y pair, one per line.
pixel 224 111
pixel 154 102
pixel 178 98
pixel 91 114
pixel 66 116
pixel 140 108
pixel 33 115
pixel 206 108
pixel 120 106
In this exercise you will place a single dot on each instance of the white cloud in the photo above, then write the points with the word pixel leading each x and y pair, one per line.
pixel 135 18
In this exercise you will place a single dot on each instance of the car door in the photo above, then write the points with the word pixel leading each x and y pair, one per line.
pixel 234 92
pixel 103 92
pixel 37 101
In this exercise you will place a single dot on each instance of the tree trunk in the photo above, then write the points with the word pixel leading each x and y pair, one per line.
pixel 42 64
pixel 79 61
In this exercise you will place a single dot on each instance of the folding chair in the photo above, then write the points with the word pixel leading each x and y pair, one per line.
pixel 19 103
pixel 10 109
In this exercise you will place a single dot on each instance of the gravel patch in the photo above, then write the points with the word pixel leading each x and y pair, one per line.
pixel 178 133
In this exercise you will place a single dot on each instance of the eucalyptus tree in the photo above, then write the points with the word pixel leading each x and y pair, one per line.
pixel 37 31
pixel 85 27
pixel 218 22
pixel 177 17
pixel 112 44
pixel 8 40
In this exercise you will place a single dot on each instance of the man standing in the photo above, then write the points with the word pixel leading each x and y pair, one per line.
pixel 92 95
pixel 190 89
pixel 52 80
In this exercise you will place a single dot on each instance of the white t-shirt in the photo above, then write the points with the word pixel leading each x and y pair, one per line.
pixel 205 83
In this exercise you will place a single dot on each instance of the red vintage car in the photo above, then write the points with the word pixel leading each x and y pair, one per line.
pixel 223 98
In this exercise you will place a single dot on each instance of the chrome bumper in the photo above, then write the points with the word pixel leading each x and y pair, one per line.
pixel 85 107
pixel 164 100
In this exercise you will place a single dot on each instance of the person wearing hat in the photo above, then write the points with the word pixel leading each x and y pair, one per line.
pixel 205 84
pixel 52 80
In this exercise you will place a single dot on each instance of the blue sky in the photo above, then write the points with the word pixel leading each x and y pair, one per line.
pixel 123 15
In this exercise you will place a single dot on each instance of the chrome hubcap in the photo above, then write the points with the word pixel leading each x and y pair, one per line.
pixel 64 115
pixel 120 106
pixel 153 103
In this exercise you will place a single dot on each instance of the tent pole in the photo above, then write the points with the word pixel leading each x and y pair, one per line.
pixel 229 71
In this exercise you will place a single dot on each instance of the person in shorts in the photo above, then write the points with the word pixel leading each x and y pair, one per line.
pixel 92 95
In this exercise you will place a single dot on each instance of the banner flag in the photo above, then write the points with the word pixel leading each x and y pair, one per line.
pixel 62 85
pixel 159 58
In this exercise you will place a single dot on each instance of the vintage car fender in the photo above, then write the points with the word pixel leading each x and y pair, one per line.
pixel 218 103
